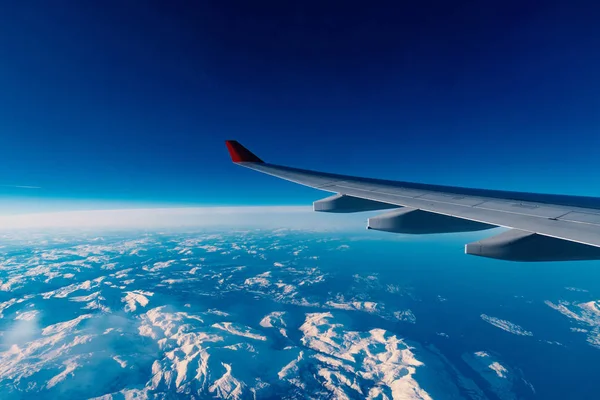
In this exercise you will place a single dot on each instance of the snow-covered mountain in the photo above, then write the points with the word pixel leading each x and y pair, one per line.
pixel 249 314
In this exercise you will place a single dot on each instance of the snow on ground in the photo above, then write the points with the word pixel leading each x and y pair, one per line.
pixel 157 266
pixel 236 329
pixel 259 281
pixel 27 315
pixel 134 298
pixel 378 359
pixel 501 379
pixel 89 297
pixel 275 320
pixel 585 314
pixel 506 325
pixel 208 356
pixel 406 315
pixel 158 340
pixel 65 326
pixel 574 289
pixel 198 357
pixel 367 306
pixel 55 350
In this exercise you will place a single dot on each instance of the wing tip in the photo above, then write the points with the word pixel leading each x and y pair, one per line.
pixel 239 153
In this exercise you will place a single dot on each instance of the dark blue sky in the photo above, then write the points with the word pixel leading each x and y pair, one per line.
pixel 131 101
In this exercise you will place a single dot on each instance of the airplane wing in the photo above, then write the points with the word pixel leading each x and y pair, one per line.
pixel 543 227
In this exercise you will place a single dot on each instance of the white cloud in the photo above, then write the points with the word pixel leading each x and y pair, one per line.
pixel 21 186
pixel 292 217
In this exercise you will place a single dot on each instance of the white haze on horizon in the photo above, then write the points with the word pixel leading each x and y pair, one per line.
pixel 295 217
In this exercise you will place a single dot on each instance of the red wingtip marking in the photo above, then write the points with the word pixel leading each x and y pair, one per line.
pixel 239 153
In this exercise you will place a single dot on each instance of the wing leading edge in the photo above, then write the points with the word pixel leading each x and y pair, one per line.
pixel 545 227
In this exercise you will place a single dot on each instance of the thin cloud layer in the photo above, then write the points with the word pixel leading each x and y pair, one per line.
pixel 151 218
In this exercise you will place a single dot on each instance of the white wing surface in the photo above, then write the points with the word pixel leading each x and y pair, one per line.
pixel 544 227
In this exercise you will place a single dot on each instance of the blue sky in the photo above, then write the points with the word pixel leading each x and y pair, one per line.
pixel 129 103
